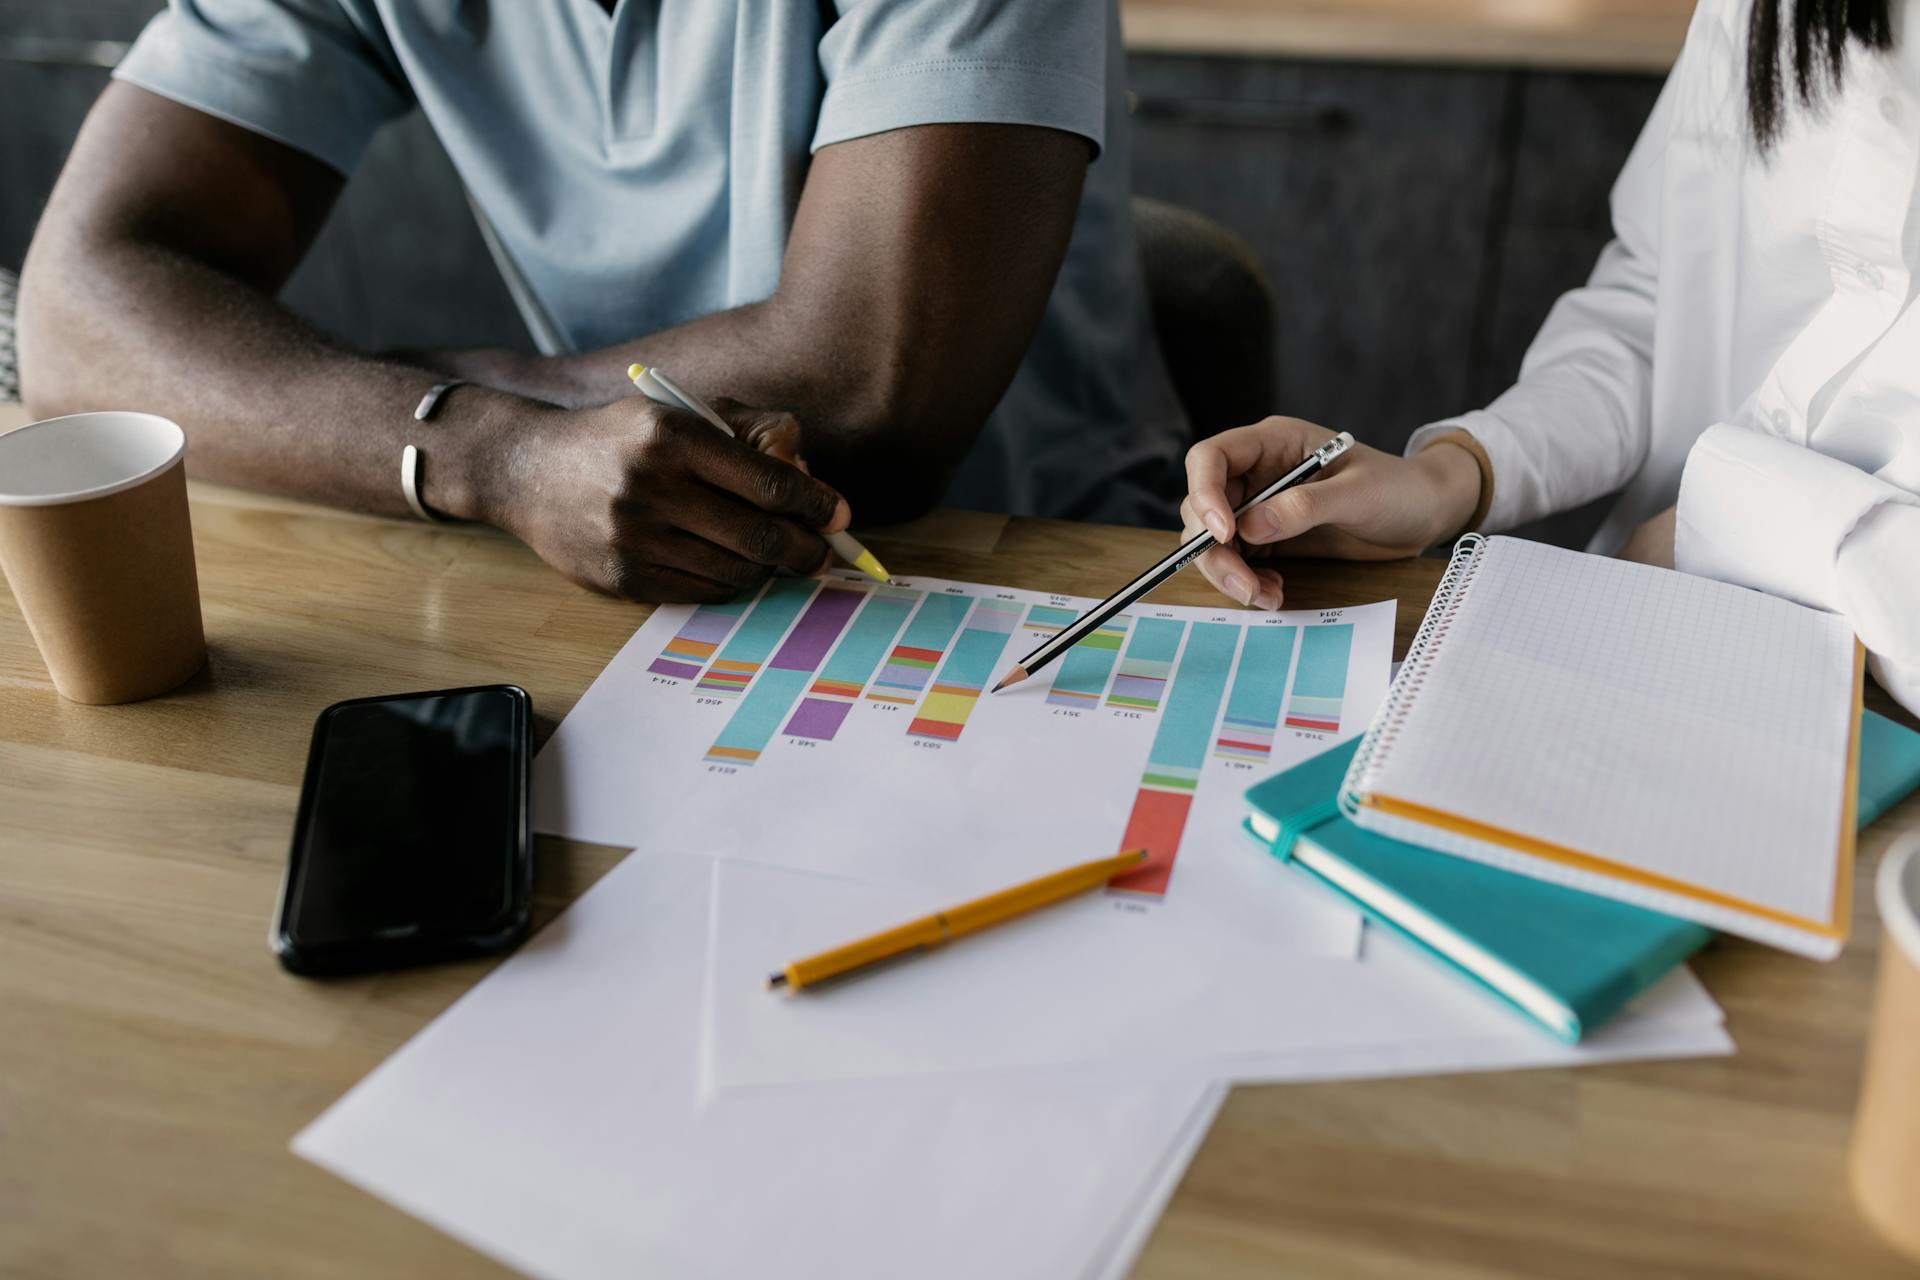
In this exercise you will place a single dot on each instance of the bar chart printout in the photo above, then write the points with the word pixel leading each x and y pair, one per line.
pixel 1142 679
pixel 1321 681
pixel 1253 708
pixel 821 713
pixel 1048 619
pixel 687 653
pixel 765 623
pixel 1159 816
pixel 912 661
pixel 1083 671
pixel 753 724
pixel 967 669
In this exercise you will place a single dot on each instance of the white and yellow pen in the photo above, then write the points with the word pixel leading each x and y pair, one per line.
pixel 659 388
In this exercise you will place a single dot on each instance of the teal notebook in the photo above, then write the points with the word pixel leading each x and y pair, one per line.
pixel 1889 764
pixel 1566 959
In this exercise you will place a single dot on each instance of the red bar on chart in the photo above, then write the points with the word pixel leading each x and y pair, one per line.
pixel 1159 817
pixel 1158 820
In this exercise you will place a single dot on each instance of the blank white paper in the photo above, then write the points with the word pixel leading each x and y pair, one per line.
pixel 550 1120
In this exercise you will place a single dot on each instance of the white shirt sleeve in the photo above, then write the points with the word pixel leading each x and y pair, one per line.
pixel 1793 522
pixel 1577 424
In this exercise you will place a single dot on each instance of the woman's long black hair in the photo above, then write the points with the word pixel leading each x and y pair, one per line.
pixel 1812 40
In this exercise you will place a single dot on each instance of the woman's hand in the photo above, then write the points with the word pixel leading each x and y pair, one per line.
pixel 1368 505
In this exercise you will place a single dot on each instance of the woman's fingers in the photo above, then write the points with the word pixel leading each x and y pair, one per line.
pixel 1271 591
pixel 1334 498
pixel 1208 466
pixel 1221 467
pixel 1227 571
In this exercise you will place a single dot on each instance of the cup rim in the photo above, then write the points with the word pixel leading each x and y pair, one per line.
pixel 102 490
pixel 1899 910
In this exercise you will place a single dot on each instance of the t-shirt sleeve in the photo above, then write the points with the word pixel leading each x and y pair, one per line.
pixel 890 64
pixel 317 75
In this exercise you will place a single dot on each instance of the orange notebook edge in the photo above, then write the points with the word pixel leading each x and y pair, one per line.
pixel 1837 928
pixel 1850 805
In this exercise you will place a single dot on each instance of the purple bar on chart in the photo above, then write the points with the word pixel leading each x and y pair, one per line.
pixel 818 718
pixel 820 715
pixel 807 644
pixel 766 704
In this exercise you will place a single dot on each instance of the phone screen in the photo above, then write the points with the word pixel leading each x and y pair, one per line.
pixel 412 827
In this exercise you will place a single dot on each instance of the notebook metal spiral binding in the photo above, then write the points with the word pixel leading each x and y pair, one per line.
pixel 1448 597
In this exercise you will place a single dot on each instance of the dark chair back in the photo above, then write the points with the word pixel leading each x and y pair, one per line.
pixel 1213 314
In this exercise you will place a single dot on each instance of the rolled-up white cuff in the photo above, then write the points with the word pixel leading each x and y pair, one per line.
pixel 1510 474
pixel 1772 515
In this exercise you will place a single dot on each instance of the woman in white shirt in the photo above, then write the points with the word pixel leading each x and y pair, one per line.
pixel 1742 369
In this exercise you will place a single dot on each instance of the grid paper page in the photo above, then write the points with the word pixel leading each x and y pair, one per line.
pixel 1667 723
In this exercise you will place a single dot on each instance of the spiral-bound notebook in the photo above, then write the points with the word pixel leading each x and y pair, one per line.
pixel 1680 744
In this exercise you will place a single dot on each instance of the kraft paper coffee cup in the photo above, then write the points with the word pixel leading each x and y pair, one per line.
pixel 96 543
pixel 1886 1131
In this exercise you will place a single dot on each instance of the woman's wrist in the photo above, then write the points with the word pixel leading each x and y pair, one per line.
pixel 1458 487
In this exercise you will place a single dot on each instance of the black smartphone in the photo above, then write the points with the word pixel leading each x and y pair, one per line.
pixel 412 840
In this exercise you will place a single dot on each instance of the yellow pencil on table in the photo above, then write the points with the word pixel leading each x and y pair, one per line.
pixel 931 931
pixel 659 388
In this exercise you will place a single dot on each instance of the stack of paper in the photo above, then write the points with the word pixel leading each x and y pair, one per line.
pixel 624 1097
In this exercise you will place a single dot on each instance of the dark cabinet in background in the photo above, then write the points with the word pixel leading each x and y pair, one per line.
pixel 1417 223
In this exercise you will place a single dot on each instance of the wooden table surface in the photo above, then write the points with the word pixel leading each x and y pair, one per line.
pixel 154 1060
pixel 1584 35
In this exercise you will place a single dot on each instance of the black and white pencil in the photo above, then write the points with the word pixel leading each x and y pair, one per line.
pixel 1090 621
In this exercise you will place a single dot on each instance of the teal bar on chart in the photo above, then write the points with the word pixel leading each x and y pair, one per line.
pixel 1186 726
pixel 1144 667
pixel 1320 683
pixel 825 708
pixel 1259 682
pixel 1084 668
pixel 752 727
pixel 912 661
pixel 740 661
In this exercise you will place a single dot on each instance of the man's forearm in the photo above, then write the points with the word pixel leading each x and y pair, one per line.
pixel 885 441
pixel 916 272
pixel 267 402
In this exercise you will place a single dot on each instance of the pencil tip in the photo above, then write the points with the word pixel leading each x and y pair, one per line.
pixel 775 981
pixel 1014 676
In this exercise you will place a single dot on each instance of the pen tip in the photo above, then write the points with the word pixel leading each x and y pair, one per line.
pixel 1012 677
pixel 775 981
pixel 869 564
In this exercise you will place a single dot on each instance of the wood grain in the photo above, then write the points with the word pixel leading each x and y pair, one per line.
pixel 1587 35
pixel 154 1061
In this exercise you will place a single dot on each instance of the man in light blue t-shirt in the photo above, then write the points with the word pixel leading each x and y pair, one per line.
pixel 896 228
